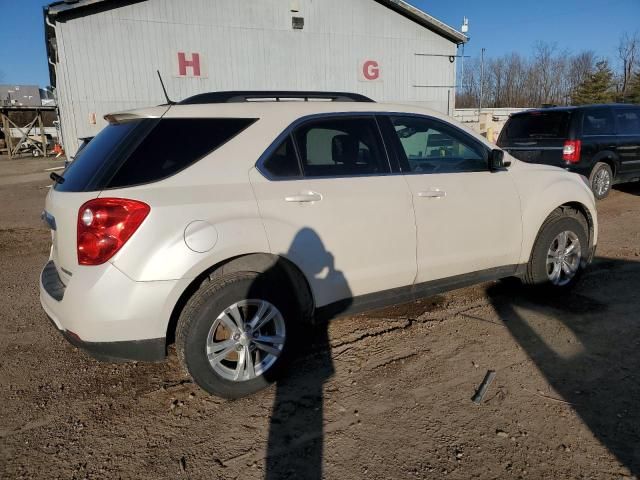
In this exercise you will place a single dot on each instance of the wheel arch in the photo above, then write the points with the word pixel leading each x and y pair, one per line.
pixel 280 267
pixel 608 157
pixel 583 211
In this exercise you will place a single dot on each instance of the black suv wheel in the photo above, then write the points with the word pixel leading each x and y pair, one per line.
pixel 601 180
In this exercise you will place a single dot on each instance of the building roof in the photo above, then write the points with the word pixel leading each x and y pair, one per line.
pixel 87 7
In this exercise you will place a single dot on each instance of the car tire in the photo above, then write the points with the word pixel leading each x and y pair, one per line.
pixel 601 179
pixel 561 251
pixel 213 343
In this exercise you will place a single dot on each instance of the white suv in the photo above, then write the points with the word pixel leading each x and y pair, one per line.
pixel 227 221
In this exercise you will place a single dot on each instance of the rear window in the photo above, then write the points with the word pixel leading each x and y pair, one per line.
pixel 537 125
pixel 147 150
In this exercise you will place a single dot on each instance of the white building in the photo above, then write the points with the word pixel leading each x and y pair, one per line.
pixel 103 54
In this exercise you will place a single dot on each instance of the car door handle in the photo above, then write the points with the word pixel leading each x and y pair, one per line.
pixel 304 197
pixel 434 193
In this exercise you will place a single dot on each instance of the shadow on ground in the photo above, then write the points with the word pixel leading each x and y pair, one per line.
pixel 296 438
pixel 632 188
pixel 596 365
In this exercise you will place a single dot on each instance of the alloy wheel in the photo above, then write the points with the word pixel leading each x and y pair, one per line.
pixel 602 182
pixel 245 340
pixel 563 258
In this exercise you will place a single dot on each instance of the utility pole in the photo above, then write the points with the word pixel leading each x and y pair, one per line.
pixel 481 82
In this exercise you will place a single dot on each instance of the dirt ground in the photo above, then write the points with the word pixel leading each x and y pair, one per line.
pixel 389 395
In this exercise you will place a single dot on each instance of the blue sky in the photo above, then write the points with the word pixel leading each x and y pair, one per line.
pixel 500 26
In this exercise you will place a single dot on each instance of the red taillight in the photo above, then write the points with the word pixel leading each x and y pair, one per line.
pixel 105 225
pixel 571 151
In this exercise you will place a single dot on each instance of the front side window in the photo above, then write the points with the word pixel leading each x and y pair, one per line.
pixel 341 146
pixel 628 121
pixel 430 146
pixel 598 122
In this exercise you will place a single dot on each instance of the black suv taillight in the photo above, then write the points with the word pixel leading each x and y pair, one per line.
pixel 571 151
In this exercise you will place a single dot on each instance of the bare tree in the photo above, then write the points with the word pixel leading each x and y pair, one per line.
pixel 548 76
pixel 628 53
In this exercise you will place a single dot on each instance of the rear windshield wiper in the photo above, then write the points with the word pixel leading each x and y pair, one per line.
pixel 56 177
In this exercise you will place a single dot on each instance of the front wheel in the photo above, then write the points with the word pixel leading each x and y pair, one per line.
pixel 560 252
pixel 233 334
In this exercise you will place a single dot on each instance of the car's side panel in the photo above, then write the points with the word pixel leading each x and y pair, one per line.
pixel 543 189
pixel 411 293
pixel 228 224
pixel 215 193
pixel 474 226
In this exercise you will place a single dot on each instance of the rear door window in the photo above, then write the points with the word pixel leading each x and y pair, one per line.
pixel 536 125
pixel 341 146
pixel 598 122
pixel 146 150
pixel 283 162
pixel 628 120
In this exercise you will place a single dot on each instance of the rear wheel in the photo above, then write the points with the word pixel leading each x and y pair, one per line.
pixel 601 180
pixel 233 335
pixel 560 252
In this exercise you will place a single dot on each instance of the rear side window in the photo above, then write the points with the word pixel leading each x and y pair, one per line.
pixel 341 146
pixel 147 150
pixel 598 122
pixel 537 125
pixel 628 120
pixel 94 159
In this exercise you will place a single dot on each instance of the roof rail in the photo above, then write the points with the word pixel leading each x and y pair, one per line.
pixel 274 96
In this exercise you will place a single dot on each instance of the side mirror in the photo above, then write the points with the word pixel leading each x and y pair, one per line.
pixel 497 161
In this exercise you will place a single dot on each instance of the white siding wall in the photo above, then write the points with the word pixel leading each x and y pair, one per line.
pixel 107 61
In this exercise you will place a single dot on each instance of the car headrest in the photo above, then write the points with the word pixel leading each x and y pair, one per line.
pixel 344 149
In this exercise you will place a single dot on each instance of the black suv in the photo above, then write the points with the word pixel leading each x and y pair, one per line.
pixel 601 142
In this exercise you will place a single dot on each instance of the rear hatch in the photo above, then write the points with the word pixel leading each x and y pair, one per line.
pixel 536 136
pixel 134 149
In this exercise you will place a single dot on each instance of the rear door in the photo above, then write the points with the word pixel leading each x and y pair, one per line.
pixel 330 204
pixel 628 138
pixel 537 136
pixel 468 217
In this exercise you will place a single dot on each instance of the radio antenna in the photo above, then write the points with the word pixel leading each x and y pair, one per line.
pixel 169 101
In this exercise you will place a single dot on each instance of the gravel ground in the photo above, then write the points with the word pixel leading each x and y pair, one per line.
pixel 382 395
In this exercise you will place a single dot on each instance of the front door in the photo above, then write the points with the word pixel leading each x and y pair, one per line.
pixel 330 205
pixel 468 218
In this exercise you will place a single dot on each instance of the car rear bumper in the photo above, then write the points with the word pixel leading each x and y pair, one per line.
pixel 104 312
pixel 152 350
